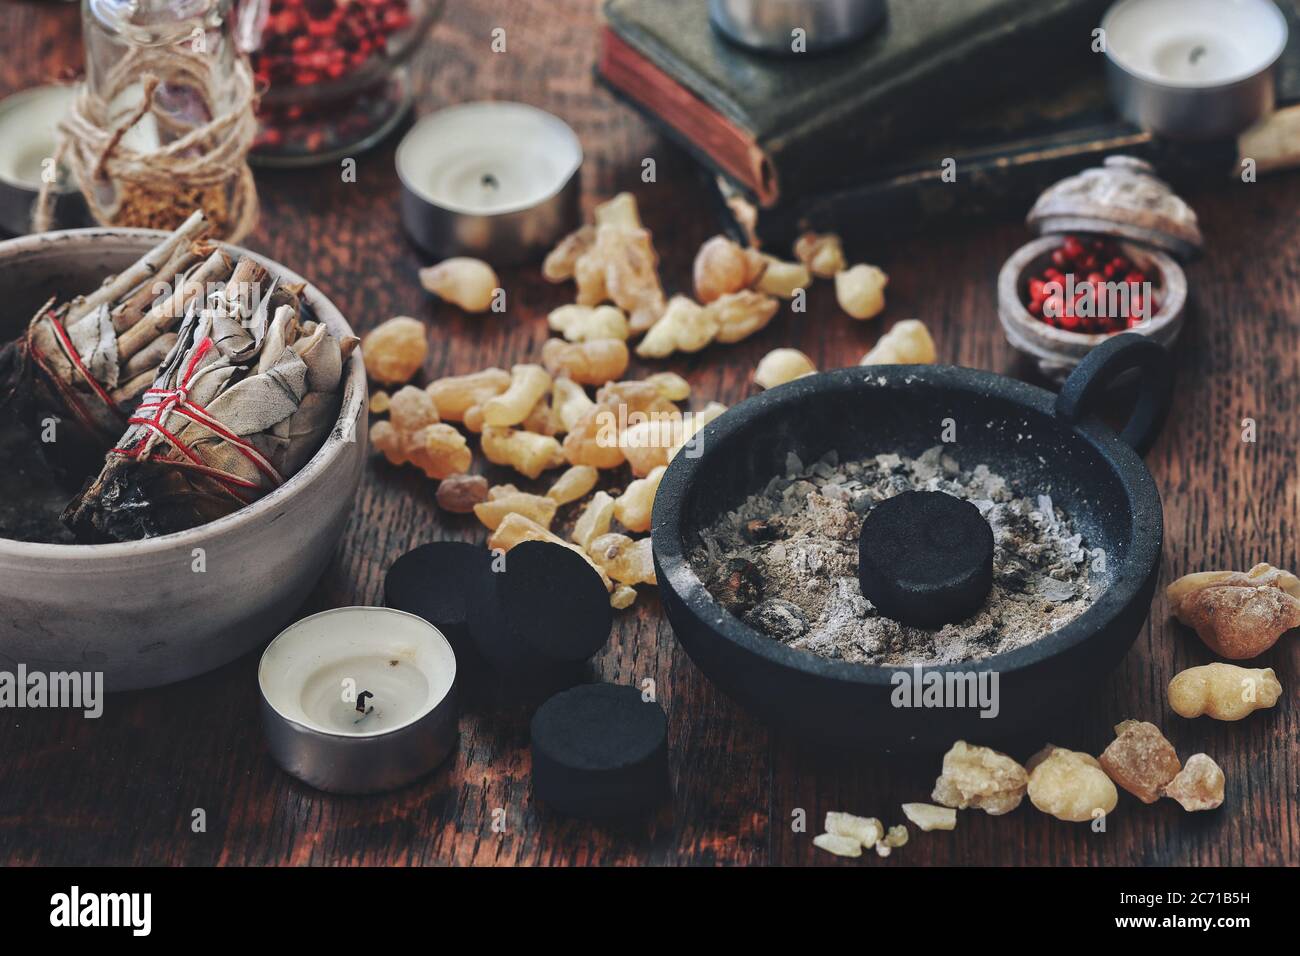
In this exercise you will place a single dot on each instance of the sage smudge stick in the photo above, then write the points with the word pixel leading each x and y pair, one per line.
pixel 242 401
pixel 67 369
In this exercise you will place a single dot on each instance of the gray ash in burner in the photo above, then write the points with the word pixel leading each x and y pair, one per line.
pixel 786 562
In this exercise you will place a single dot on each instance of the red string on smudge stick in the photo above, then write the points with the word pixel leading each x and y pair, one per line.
pixel 158 403
pixel 71 397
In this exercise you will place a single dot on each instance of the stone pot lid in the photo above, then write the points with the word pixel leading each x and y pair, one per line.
pixel 1124 198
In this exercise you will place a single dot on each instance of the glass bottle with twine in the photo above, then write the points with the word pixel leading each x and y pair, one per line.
pixel 163 123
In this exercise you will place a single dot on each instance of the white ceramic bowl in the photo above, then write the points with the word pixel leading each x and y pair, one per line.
pixel 139 612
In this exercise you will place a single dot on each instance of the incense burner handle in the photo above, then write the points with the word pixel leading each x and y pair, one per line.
pixel 1119 354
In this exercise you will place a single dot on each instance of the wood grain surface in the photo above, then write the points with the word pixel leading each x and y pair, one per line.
pixel 124 788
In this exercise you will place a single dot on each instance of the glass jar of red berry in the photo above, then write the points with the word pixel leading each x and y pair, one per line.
pixel 1108 261
pixel 333 72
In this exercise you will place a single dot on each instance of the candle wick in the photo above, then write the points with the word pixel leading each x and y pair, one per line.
pixel 1196 53
pixel 361 702
pixel 489 182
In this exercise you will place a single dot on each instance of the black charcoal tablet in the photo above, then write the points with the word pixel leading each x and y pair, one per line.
pixel 434 581
pixel 600 751
pixel 925 558
pixel 545 610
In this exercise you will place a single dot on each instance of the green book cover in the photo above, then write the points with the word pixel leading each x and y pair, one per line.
pixel 817 119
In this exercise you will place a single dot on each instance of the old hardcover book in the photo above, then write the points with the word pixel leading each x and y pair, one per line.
pixel 997 159
pixel 785 127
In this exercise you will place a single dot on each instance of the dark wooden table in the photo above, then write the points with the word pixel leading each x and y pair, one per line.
pixel 125 788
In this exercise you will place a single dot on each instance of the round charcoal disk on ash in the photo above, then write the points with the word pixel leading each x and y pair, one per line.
pixel 554 602
pixel 925 558
pixel 600 751
pixel 434 581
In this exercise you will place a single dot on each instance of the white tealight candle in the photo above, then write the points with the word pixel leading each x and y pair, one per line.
pixel 1194 69
pixel 495 180
pixel 27 132
pixel 27 142
pixel 359 699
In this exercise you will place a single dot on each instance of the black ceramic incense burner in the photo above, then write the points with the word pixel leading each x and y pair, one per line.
pixel 1051 444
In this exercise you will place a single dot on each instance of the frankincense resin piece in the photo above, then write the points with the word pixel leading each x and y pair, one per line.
pixel 413 435
pixel 634 506
pixel 410 408
pixel 593 439
pixel 669 385
pixel 684 326
pixel 1199 785
pixel 780 366
pixel 929 817
pixel 460 493
pixel 907 343
pixel 980 777
pixel 723 267
pixel 866 830
pixel 455 395
pixel 624 560
pixel 594 520
pixel 585 323
pixel 528 383
pixel 560 261
pixel 894 838
pixel 740 314
pixel 1223 691
pixel 647 443
pixel 783 279
pixel 569 403
pixel 468 283
pixel 515 529
pixel 621 211
pixel 537 508
pixel 625 259
pixel 822 254
pixel 1140 759
pixel 860 291
pixel 526 453
pixel 573 484
pixel 1238 615
pixel 394 351
pixel 593 362
pixel 624 597
pixel 838 845
pixel 1070 785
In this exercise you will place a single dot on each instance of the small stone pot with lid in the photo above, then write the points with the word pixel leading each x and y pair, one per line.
pixel 1122 201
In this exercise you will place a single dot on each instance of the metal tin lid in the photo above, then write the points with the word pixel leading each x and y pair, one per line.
pixel 1123 197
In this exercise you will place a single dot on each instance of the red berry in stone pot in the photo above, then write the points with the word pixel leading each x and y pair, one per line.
pixel 1098 270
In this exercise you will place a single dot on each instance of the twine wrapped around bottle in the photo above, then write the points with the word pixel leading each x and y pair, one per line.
pixel 204 167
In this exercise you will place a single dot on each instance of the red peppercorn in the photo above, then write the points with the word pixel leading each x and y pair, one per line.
pixel 306 41
pixel 1097 271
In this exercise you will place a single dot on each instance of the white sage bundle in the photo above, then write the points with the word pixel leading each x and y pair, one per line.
pixel 245 397
pixel 86 361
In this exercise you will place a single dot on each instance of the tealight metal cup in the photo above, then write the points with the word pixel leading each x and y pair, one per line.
pixel 19 192
pixel 1153 52
pixel 498 181
pixel 359 763
pixel 769 25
